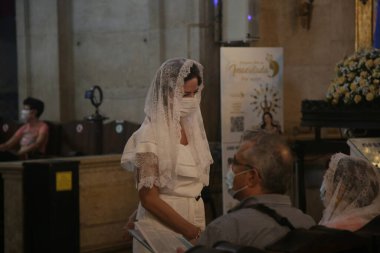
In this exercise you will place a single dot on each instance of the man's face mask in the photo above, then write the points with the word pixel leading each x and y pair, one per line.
pixel 229 180
pixel 25 115
pixel 230 177
pixel 188 106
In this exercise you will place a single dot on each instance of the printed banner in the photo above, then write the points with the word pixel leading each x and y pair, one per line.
pixel 251 85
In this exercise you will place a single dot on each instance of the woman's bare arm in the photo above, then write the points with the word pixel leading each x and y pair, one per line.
pixel 151 201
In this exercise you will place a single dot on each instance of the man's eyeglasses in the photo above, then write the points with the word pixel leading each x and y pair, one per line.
pixel 250 167
pixel 237 163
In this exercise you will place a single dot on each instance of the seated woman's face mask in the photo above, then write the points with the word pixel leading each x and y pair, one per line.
pixel 25 115
pixel 188 106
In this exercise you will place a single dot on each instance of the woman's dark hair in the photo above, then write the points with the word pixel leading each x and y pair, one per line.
pixel 35 104
pixel 270 115
pixel 194 72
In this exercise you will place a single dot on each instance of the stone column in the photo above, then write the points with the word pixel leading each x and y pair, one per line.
pixel 65 61
pixel 44 46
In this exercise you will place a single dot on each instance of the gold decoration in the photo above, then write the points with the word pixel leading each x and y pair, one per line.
pixel 363 24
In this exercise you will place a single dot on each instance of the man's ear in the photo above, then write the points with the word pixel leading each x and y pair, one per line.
pixel 254 178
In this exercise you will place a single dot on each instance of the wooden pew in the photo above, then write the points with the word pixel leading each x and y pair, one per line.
pixel 107 196
pixel 115 135
pixel 81 137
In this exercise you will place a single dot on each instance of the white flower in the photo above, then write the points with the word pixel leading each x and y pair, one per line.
pixel 357 79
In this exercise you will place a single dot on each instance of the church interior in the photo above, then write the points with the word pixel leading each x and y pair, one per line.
pixel 92 62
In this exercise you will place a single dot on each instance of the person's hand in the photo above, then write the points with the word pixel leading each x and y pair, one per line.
pixel 193 241
pixel 22 154
pixel 180 250
pixel 126 235
pixel 193 234
pixel 130 225
pixel 21 151
pixel 3 147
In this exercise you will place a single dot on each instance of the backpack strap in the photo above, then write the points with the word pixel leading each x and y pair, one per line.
pixel 283 221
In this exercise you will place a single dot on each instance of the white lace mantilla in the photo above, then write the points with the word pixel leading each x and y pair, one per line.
pixel 350 191
pixel 161 131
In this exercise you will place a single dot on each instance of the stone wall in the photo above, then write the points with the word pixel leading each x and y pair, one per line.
pixel 118 45
pixel 309 55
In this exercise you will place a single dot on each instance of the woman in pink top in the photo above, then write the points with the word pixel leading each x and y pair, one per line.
pixel 31 137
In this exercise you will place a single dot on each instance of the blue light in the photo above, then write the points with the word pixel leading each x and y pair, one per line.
pixel 216 2
pixel 249 17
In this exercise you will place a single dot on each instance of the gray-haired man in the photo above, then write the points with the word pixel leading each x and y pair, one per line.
pixel 260 173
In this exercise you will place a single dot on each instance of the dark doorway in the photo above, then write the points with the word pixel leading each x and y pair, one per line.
pixel 8 61
pixel 8 81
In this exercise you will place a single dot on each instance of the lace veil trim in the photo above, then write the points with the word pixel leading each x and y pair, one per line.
pixel 350 190
pixel 161 131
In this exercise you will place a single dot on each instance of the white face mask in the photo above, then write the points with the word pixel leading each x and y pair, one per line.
pixel 229 180
pixel 188 106
pixel 25 115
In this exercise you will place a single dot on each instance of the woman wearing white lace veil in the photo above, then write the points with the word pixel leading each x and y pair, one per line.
pixel 350 192
pixel 170 154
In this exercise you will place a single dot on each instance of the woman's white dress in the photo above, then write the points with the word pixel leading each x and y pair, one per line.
pixel 183 198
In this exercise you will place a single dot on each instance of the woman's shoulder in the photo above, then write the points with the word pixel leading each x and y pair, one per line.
pixel 22 129
pixel 145 134
pixel 42 126
pixel 42 123
pixel 142 141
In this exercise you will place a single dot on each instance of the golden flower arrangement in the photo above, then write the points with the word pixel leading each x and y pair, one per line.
pixel 357 79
